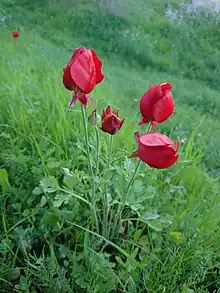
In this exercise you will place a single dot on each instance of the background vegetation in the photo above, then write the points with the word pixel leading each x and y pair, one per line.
pixel 46 240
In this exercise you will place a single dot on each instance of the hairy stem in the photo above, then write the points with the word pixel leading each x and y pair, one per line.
pixel 90 167
pixel 105 201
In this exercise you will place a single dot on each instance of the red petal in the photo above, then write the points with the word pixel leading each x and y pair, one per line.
pixel 121 123
pixel 98 67
pixel 147 101
pixel 83 72
pixel 107 124
pixel 155 139
pixel 166 86
pixel 76 53
pixel 108 110
pixel 161 157
pixel 103 114
pixel 163 108
pixel 67 79
pixel 111 124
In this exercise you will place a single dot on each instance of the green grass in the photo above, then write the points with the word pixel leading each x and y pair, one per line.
pixel 48 242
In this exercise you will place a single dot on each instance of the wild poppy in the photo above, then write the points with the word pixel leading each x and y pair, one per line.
pixel 110 121
pixel 156 149
pixel 157 104
pixel 15 34
pixel 83 72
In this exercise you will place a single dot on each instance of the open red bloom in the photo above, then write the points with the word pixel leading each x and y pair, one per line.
pixel 83 72
pixel 156 149
pixel 110 121
pixel 157 104
pixel 15 34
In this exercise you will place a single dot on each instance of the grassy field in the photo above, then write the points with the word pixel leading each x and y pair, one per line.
pixel 166 238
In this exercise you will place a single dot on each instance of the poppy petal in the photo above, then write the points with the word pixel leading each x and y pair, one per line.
pixel 83 72
pixel 98 67
pixel 163 108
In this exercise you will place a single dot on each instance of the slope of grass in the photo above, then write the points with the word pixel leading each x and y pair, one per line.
pixel 47 240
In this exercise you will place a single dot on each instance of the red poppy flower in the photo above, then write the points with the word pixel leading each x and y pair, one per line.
pixel 15 34
pixel 156 149
pixel 157 104
pixel 83 72
pixel 110 121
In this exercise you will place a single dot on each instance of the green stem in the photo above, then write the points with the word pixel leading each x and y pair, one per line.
pixel 86 140
pixel 132 180
pixel 120 210
pixel 97 149
pixel 105 200
pixel 90 166
pixel 110 143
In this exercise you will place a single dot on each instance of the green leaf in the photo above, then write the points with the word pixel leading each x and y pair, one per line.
pixel 82 283
pixel 43 201
pixel 15 274
pixel 53 164
pixel 4 183
pixel 138 186
pixel 144 241
pixel 134 254
pixel 51 218
pixel 58 200
pixel 70 181
pixel 37 191
pixel 49 184
pixel 119 260
pixel 128 165
pixel 5 135
pixel 68 215
pixel 150 216
pixel 150 192
pixel 155 224
pixel 137 235
pixel 107 176
pixel 166 219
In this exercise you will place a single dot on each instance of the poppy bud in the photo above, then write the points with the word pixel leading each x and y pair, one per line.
pixel 92 119
pixel 110 121
pixel 156 150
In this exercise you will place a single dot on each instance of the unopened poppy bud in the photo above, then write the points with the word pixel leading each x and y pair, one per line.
pixel 110 121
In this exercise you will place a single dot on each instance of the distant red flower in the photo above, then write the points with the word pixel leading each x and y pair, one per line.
pixel 83 72
pixel 156 149
pixel 157 104
pixel 110 121
pixel 15 34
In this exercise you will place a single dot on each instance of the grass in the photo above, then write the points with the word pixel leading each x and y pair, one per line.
pixel 168 236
